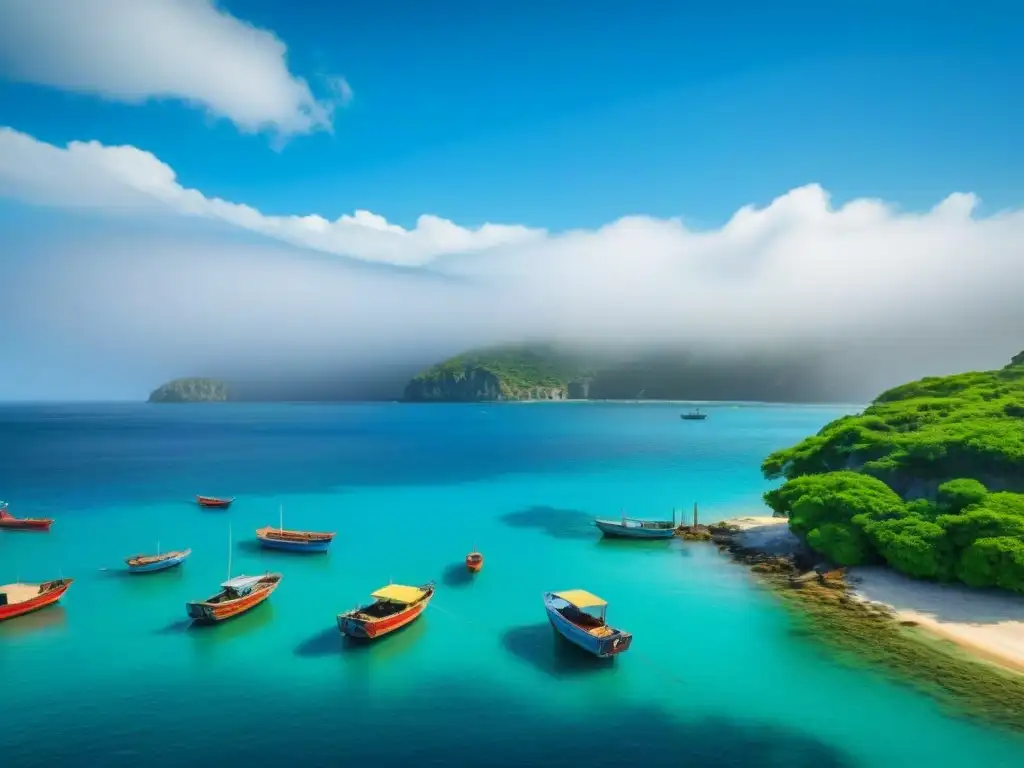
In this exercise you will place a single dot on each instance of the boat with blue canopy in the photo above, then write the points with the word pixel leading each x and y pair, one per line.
pixel 579 617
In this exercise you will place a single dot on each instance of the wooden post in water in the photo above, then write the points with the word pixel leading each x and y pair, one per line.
pixel 695 514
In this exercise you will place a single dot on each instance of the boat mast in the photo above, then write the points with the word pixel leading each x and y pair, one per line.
pixel 229 551
pixel 280 523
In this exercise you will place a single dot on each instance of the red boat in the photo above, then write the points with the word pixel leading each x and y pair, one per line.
pixel 394 607
pixel 214 502
pixel 10 522
pixel 474 562
pixel 19 599
pixel 237 595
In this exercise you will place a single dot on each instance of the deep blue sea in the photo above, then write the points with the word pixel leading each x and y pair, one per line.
pixel 718 674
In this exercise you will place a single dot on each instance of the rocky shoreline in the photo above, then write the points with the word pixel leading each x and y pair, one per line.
pixel 825 604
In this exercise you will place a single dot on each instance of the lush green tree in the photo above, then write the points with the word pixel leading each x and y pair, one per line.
pixel 915 546
pixel 993 562
pixel 1000 514
pixel 830 512
pixel 931 441
pixel 955 495
pixel 922 434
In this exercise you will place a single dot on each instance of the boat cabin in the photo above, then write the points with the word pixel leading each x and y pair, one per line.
pixel 240 586
pixel 392 599
pixel 585 610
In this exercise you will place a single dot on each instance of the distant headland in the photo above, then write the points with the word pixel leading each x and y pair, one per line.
pixel 191 390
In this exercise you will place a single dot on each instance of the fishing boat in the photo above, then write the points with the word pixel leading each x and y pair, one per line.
pixel 293 541
pixel 634 528
pixel 12 523
pixel 474 562
pixel 237 595
pixel 19 599
pixel 694 415
pixel 567 612
pixel 394 606
pixel 157 562
pixel 213 502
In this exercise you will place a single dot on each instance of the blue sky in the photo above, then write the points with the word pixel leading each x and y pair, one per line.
pixel 571 114
pixel 535 119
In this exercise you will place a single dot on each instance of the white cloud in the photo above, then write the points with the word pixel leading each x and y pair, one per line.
pixel 126 179
pixel 935 290
pixel 134 50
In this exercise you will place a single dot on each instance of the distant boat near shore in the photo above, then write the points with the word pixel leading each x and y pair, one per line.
pixel 694 415
pixel 634 528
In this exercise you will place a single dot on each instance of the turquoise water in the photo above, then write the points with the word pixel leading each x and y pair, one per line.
pixel 717 674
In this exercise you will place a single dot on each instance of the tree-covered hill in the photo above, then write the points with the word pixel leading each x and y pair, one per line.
pixel 514 372
pixel 928 479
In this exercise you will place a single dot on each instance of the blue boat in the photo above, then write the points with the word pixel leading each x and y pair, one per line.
pixel 150 563
pixel 568 614
pixel 633 528
pixel 293 541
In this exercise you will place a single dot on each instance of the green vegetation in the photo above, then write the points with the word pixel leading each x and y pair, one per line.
pixel 904 482
pixel 194 390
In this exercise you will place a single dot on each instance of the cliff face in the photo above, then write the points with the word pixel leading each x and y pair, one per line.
pixel 194 390
pixel 473 384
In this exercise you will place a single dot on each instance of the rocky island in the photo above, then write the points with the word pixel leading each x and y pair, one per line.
pixel 503 373
pixel 191 390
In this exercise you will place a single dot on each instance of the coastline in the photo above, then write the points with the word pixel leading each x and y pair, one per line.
pixel 987 624
pixel 964 647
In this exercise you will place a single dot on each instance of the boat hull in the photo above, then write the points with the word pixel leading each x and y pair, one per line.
pixel 286 545
pixel 204 612
pixel 23 523
pixel 619 531
pixel 213 503
pixel 371 630
pixel 41 601
pixel 474 564
pixel 602 647
pixel 171 561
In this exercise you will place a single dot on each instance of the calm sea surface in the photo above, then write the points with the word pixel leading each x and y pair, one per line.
pixel 717 674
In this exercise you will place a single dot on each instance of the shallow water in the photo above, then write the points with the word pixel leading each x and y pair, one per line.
pixel 717 675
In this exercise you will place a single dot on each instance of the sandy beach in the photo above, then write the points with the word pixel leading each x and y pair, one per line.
pixel 989 625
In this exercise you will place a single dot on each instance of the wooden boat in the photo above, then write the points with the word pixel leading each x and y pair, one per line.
pixel 394 606
pixel 19 599
pixel 293 541
pixel 12 523
pixel 567 612
pixel 237 595
pixel 158 562
pixel 474 561
pixel 634 528
pixel 694 415
pixel 213 502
